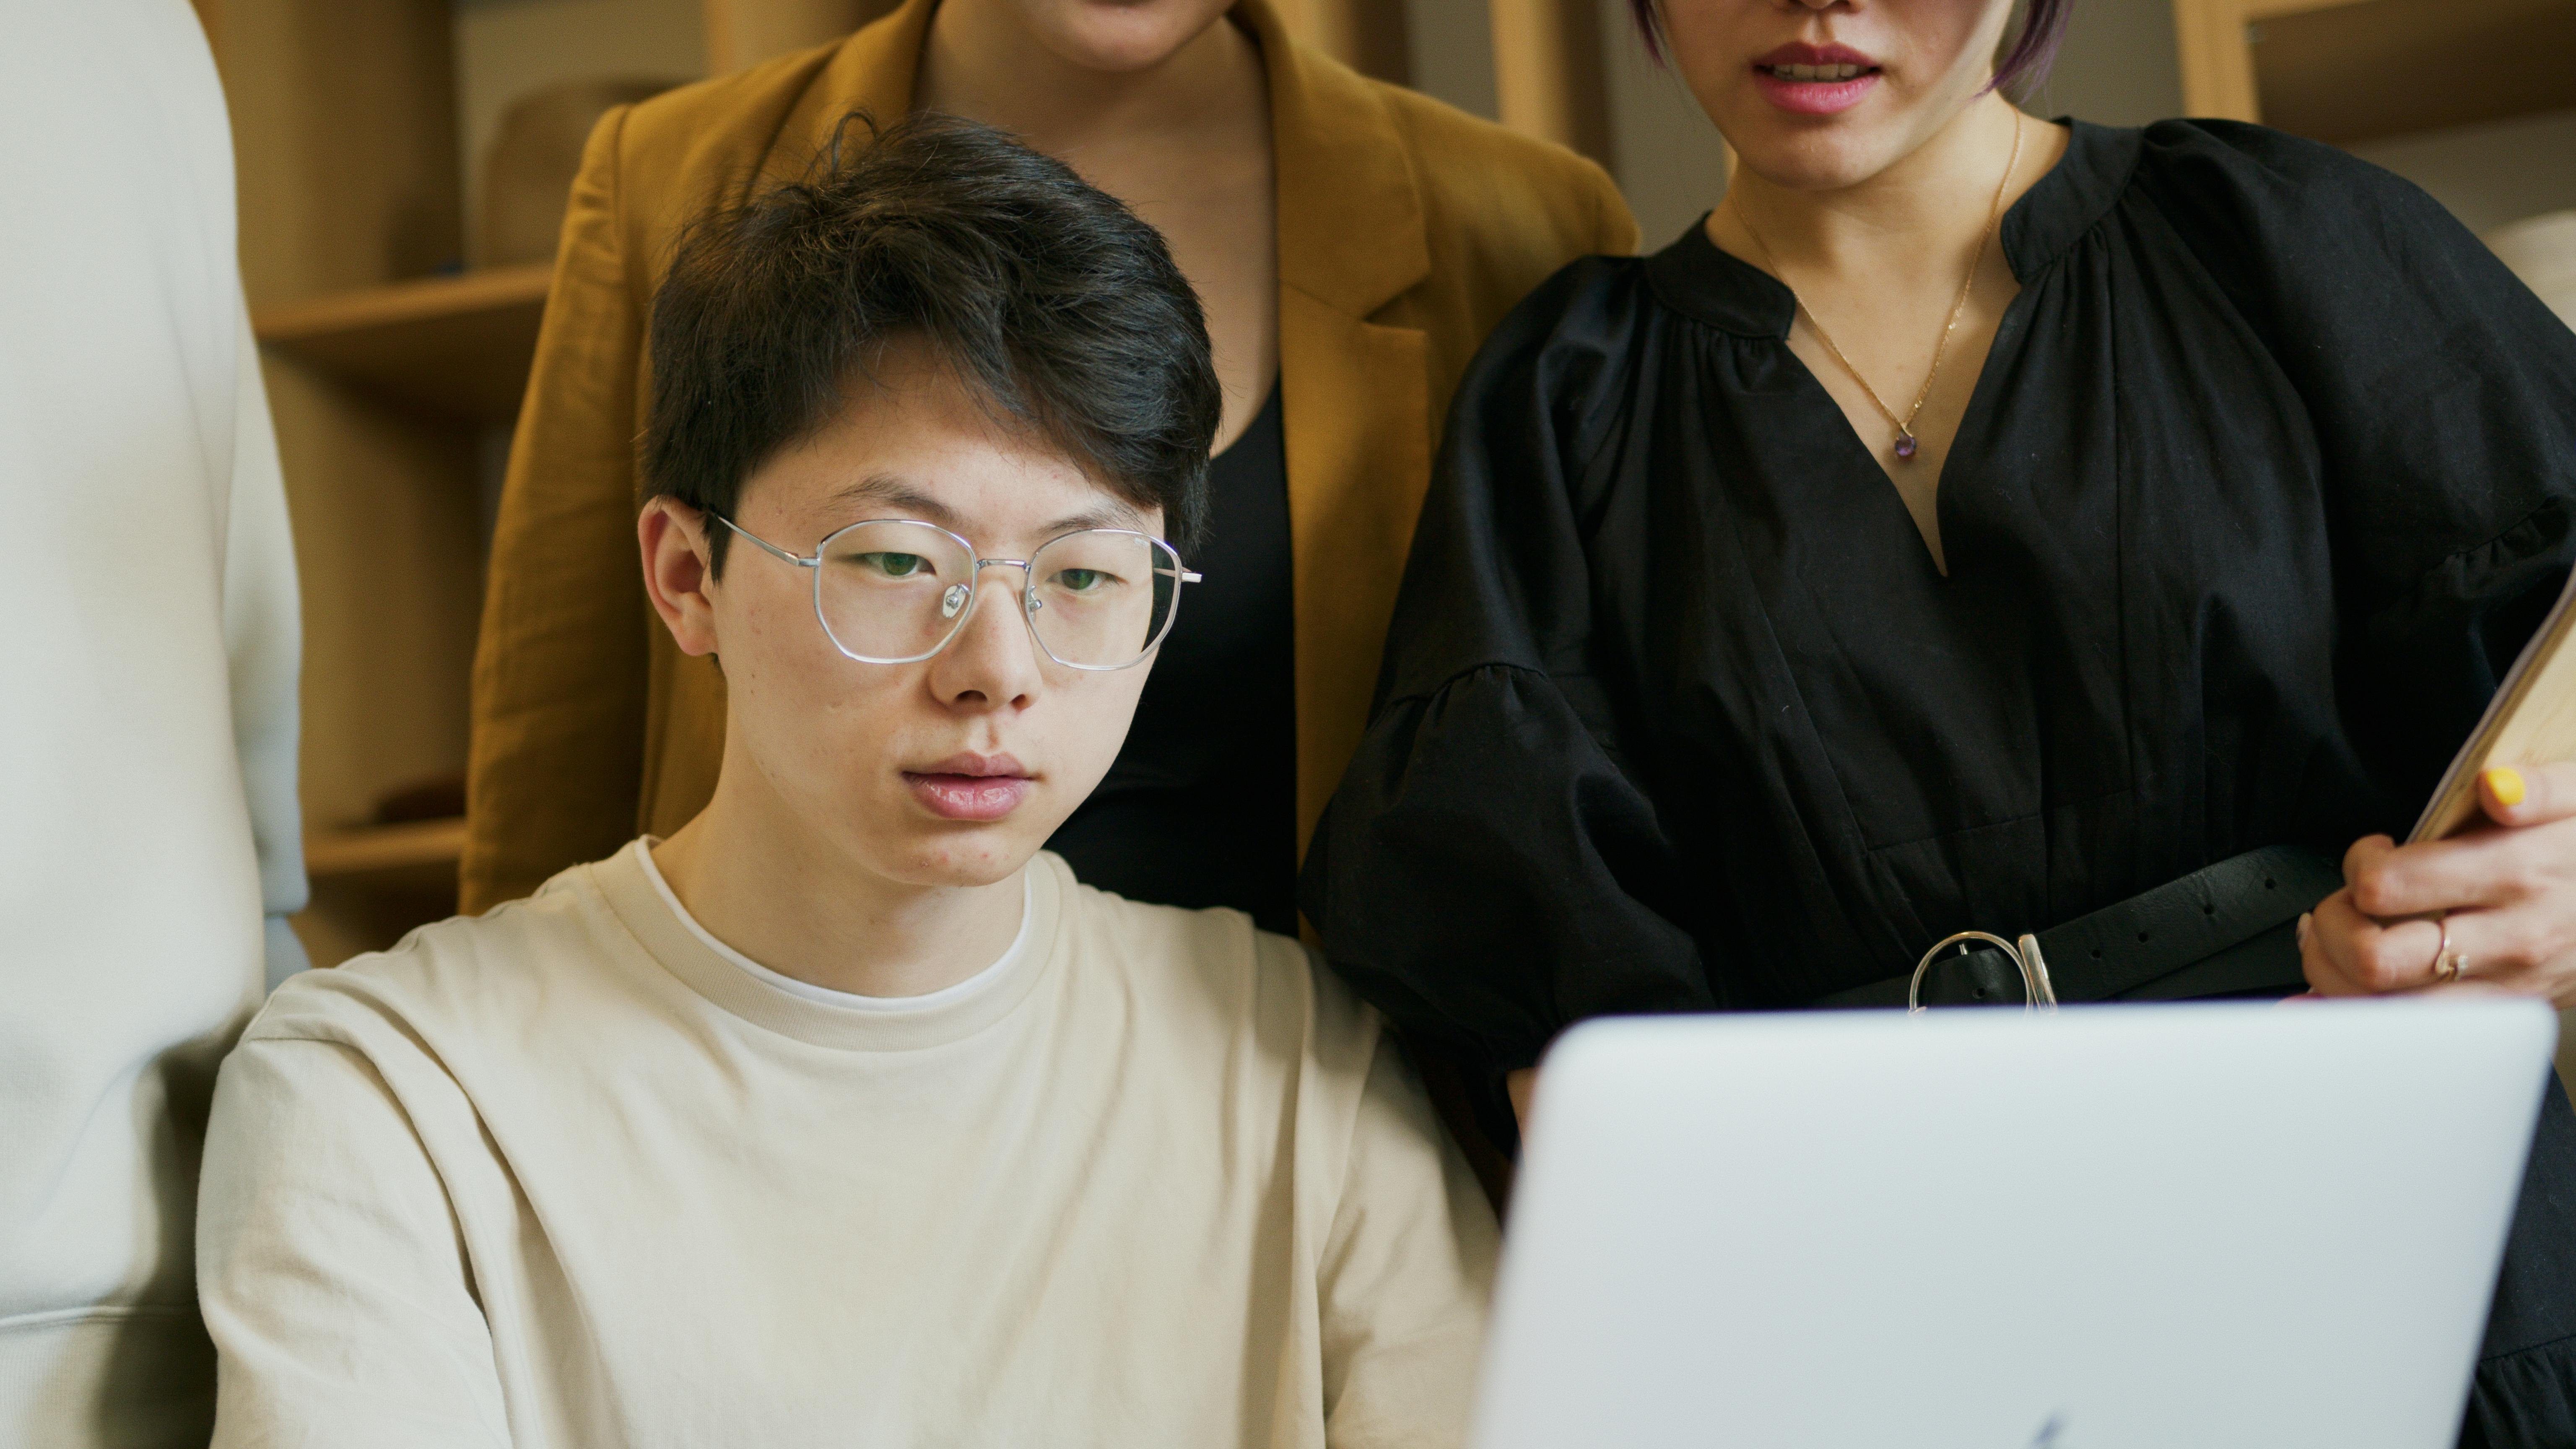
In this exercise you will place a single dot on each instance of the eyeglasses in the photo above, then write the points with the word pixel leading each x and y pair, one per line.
pixel 897 591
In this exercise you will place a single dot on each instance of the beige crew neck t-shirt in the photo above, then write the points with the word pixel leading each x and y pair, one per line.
pixel 564 1175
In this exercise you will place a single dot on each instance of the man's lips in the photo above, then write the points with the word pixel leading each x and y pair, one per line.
pixel 1815 80
pixel 969 786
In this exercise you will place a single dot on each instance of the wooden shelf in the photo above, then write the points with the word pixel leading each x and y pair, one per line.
pixel 424 845
pixel 452 347
pixel 2348 71
pixel 2354 72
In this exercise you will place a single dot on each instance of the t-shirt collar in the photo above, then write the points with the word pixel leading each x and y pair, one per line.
pixel 661 927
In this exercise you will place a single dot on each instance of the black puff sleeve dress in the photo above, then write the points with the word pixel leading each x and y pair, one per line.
pixel 2270 470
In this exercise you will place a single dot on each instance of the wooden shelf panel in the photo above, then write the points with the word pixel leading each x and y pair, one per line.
pixel 451 347
pixel 423 845
pixel 2348 71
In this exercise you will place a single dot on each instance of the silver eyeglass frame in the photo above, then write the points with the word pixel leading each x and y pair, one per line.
pixel 1028 592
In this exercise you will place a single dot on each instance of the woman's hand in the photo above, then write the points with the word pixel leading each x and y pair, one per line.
pixel 2507 893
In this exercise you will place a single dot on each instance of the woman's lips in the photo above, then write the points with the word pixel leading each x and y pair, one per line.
pixel 1814 97
pixel 1786 78
pixel 969 797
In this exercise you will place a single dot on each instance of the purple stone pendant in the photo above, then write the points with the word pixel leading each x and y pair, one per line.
pixel 1904 444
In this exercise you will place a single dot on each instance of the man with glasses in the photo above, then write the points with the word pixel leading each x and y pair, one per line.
pixel 845 1115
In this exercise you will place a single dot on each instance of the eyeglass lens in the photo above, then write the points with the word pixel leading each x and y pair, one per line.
pixel 1098 599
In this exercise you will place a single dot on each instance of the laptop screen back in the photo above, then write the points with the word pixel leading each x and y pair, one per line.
pixel 2117 1228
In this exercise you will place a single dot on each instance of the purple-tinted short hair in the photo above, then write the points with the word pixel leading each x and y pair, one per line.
pixel 2029 55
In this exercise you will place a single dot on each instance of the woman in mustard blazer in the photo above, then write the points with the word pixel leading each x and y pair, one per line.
pixel 1399 231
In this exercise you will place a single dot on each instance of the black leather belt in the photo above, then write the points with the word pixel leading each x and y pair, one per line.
pixel 2222 930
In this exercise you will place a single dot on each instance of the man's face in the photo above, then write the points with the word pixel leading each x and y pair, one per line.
pixel 950 771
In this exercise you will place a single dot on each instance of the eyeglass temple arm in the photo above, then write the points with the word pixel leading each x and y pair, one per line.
pixel 765 546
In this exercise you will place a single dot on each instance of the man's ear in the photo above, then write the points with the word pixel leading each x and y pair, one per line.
pixel 677 576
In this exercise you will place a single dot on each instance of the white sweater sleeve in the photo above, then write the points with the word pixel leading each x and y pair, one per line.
pixel 263 637
pixel 331 1268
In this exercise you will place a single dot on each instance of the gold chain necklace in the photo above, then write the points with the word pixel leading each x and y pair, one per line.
pixel 1905 443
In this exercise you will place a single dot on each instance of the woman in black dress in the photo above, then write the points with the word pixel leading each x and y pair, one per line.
pixel 1978 523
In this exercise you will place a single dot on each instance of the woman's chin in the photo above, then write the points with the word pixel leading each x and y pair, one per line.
pixel 1121 39
pixel 1812 153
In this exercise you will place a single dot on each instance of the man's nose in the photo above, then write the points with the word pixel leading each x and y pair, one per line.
pixel 993 661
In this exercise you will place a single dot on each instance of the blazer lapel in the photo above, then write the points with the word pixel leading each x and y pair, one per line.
pixel 872 72
pixel 1355 393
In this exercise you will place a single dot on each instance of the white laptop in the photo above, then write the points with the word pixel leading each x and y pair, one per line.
pixel 2179 1227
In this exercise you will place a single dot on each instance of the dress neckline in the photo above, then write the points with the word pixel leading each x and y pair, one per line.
pixel 1702 281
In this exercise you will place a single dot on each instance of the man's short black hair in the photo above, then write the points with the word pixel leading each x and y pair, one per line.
pixel 1041 292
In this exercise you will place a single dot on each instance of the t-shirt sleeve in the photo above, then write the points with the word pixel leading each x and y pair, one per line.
pixel 330 1267
pixel 1405 1274
pixel 1491 869
pixel 2442 396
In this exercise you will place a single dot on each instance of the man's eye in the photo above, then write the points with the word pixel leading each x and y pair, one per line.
pixel 894 565
pixel 1084 581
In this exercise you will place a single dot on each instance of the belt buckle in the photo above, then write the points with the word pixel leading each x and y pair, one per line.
pixel 2037 994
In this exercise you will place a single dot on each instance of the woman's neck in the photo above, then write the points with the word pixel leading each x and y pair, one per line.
pixel 1921 217
pixel 1185 142
pixel 758 878
pixel 981 61
pixel 1886 321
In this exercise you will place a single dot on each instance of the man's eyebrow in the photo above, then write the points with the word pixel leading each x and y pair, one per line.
pixel 1112 513
pixel 906 499
pixel 887 491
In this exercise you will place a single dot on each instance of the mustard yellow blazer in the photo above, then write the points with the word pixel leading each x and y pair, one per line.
pixel 1406 230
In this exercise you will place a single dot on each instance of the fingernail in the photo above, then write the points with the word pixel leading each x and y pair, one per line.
pixel 2303 930
pixel 2505 783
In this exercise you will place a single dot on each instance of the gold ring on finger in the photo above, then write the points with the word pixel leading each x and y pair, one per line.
pixel 2446 962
